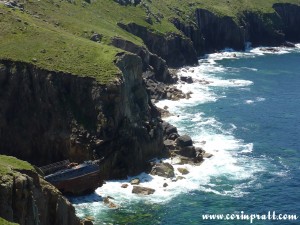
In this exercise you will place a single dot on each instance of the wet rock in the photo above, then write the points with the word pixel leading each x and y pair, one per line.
pixel 183 171
pixel 135 181
pixel 142 190
pixel 184 141
pixel 124 185
pixel 188 151
pixel 163 170
pixel 186 79
pixel 173 136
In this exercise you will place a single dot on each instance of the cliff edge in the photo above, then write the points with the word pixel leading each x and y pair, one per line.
pixel 25 198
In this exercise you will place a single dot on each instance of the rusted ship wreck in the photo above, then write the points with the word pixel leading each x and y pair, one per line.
pixel 73 178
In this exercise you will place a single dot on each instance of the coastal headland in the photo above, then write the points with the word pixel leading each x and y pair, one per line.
pixel 81 77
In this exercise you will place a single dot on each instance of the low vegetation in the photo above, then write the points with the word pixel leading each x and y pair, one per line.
pixel 8 164
pixel 55 34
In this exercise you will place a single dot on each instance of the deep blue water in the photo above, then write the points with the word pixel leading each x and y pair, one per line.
pixel 254 132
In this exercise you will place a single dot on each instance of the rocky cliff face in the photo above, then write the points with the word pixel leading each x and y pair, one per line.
pixel 49 116
pixel 290 16
pixel 263 29
pixel 175 49
pixel 27 199
pixel 219 32
pixel 212 33
pixel 193 33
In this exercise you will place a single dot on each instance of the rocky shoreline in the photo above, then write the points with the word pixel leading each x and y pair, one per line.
pixel 47 116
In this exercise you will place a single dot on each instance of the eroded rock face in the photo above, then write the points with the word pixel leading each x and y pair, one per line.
pixel 48 116
pixel 219 32
pixel 290 15
pixel 176 50
pixel 26 198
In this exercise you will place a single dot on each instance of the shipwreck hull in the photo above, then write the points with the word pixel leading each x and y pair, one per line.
pixel 80 185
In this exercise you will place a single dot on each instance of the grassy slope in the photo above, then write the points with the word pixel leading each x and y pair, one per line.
pixel 54 34
pixel 4 222
pixel 9 163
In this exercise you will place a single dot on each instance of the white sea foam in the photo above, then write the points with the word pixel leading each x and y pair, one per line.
pixel 258 99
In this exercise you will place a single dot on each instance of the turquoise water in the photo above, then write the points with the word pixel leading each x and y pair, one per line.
pixel 248 116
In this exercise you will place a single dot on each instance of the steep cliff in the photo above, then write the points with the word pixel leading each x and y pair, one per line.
pixel 25 198
pixel 219 32
pixel 290 16
pixel 175 49
pixel 49 116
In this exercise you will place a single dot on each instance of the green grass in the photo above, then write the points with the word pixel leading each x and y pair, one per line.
pixel 55 34
pixel 5 222
pixel 9 163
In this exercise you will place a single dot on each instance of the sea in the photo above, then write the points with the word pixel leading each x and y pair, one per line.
pixel 245 110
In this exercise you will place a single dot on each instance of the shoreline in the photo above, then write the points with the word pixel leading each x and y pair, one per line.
pixel 146 179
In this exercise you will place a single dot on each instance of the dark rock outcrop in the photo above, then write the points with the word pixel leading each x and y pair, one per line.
pixel 184 141
pixel 210 32
pixel 151 62
pixel 192 32
pixel 290 16
pixel 26 198
pixel 219 32
pixel 263 29
pixel 175 49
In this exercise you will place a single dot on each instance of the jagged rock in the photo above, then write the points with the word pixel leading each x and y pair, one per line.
pixel 169 144
pixel 163 170
pixel 175 49
pixel 135 181
pixel 186 79
pixel 169 129
pixel 25 196
pixel 165 185
pixel 184 141
pixel 188 151
pixel 124 185
pixel 142 190
pixel 183 171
